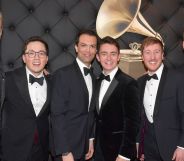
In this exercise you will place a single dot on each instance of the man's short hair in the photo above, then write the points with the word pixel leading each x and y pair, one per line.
pixel 33 39
pixel 149 41
pixel 85 32
pixel 108 40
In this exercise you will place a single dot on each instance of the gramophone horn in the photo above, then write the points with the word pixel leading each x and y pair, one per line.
pixel 116 17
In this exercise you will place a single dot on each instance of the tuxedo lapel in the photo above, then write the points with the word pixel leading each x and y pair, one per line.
pixel 111 88
pixel 160 90
pixel 81 82
pixel 97 96
pixel 142 88
pixel 92 104
pixel 48 96
pixel 20 79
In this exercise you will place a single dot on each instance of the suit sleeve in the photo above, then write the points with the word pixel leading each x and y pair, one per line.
pixel 142 127
pixel 132 120
pixel 180 96
pixel 59 100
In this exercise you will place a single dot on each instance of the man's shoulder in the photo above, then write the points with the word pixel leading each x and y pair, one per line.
pixel 173 71
pixel 180 69
pixel 66 71
pixel 175 74
pixel 17 71
pixel 66 68
pixel 124 78
pixel 141 77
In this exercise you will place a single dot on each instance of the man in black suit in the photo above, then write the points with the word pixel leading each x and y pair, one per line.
pixel 26 106
pixel 162 95
pixel 72 109
pixel 183 41
pixel 117 107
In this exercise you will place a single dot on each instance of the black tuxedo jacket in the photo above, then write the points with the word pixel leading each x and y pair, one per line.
pixel 118 118
pixel 72 121
pixel 19 118
pixel 168 113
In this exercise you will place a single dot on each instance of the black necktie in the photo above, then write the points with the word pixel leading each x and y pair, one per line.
pixel 106 77
pixel 154 76
pixel 32 79
pixel 87 71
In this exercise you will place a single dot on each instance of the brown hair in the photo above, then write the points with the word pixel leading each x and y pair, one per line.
pixel 86 32
pixel 149 41
pixel 33 39
pixel 108 40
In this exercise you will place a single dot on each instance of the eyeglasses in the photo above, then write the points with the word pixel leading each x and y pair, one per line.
pixel 32 53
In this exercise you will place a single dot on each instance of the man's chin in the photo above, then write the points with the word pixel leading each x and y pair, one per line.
pixel 37 72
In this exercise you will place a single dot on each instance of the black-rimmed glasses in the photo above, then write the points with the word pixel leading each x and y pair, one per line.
pixel 32 53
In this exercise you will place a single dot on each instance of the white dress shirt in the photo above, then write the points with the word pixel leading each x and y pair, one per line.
pixel 105 85
pixel 38 93
pixel 87 78
pixel 150 94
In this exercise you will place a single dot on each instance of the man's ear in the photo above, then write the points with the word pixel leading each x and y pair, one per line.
pixel 23 58
pixel 97 57
pixel 76 48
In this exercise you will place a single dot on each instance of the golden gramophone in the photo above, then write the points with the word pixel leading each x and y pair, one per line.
pixel 116 17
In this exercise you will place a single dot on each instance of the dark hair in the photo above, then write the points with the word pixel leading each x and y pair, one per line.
pixel 33 39
pixel 85 32
pixel 149 41
pixel 108 40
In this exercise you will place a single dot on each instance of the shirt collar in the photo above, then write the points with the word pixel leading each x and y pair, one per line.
pixel 158 72
pixel 112 73
pixel 29 72
pixel 81 65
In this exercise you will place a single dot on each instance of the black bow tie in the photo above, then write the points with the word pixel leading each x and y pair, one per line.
pixel 87 71
pixel 106 77
pixel 32 79
pixel 154 76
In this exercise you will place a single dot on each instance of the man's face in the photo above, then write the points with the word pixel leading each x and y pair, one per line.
pixel 109 57
pixel 152 56
pixel 36 63
pixel 183 44
pixel 86 48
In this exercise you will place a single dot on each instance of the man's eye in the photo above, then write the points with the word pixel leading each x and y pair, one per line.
pixel 83 45
pixel 157 52
pixel 42 53
pixel 147 52
pixel 114 53
pixel 103 53
pixel 31 53
pixel 93 46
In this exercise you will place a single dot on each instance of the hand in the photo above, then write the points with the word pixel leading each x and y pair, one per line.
pixel 137 149
pixel 178 155
pixel 90 151
pixel 68 157
pixel 120 159
pixel 142 157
